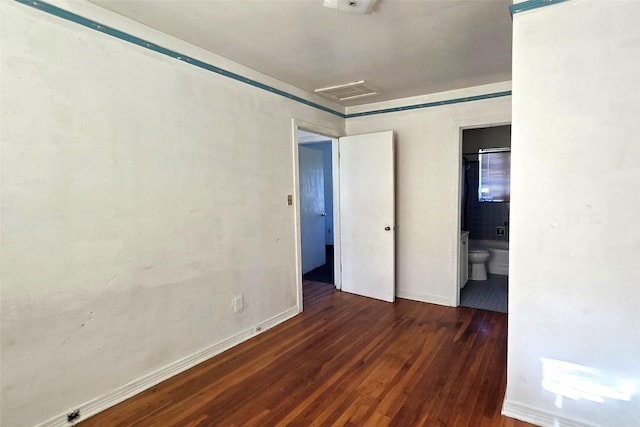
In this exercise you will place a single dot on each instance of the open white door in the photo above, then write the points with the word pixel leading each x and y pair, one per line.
pixel 312 212
pixel 367 214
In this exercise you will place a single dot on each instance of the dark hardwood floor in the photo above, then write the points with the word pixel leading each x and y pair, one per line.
pixel 345 361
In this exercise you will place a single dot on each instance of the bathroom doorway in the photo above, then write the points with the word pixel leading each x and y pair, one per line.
pixel 484 217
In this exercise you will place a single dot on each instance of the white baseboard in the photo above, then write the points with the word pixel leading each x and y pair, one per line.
pixel 539 416
pixel 432 299
pixel 141 384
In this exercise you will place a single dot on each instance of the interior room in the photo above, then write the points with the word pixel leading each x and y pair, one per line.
pixel 315 171
pixel 485 192
pixel 151 268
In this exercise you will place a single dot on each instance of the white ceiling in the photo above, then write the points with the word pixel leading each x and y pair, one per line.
pixel 404 48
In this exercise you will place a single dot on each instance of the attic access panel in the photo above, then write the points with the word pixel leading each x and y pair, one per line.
pixel 347 91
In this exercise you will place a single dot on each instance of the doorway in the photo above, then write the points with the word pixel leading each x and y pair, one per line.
pixel 315 179
pixel 364 252
pixel 484 217
pixel 304 133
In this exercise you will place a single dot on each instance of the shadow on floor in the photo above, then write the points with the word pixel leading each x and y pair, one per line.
pixel 323 273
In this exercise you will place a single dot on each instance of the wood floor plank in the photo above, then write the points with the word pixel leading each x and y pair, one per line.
pixel 345 361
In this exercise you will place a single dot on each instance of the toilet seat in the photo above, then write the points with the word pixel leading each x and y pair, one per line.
pixel 478 251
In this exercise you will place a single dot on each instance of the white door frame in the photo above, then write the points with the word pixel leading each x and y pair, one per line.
pixel 461 125
pixel 333 135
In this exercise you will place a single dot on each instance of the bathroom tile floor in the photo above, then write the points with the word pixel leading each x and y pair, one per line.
pixel 491 294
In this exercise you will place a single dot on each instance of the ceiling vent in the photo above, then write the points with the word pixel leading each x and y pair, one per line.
pixel 347 91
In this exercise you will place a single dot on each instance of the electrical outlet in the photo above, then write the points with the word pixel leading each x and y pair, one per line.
pixel 73 415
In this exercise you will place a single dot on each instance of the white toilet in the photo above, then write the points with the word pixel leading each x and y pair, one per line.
pixel 478 259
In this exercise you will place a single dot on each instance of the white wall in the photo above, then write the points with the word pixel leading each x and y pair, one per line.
pixel 138 194
pixel 427 184
pixel 574 285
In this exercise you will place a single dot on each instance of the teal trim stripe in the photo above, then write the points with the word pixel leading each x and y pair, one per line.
pixel 69 16
pixel 531 4
pixel 431 104
pixel 72 17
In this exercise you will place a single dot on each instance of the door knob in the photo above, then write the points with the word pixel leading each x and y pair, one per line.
pixel 323 214
pixel 387 228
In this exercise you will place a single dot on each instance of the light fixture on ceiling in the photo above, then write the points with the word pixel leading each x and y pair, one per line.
pixel 362 7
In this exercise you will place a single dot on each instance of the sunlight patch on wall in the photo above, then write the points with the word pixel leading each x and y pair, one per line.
pixel 576 382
